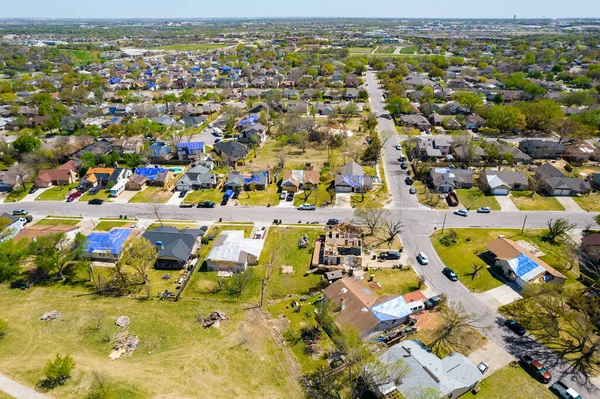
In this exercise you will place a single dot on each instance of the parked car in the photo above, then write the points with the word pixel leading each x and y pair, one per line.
pixel 483 367
pixel 33 189
pixel 96 201
pixel 536 368
pixel 182 194
pixel 409 180
pixel 399 147
pixel 563 391
pixel 462 212
pixel 484 209
pixel 307 207
pixel 403 165
pixel 422 258
pixel 283 195
pixel 225 200
pixel 390 255
pixel 515 327
pixel 188 205
pixel 433 302
pixel 290 197
pixel 402 158
pixel 450 274
pixel 18 212
pixel 73 196
pixel 333 222
pixel 206 204
pixel 412 190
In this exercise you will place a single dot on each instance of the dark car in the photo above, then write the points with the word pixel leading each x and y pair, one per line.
pixel 333 222
pixel 412 190
pixel 96 201
pixel 403 165
pixel 224 201
pixel 450 274
pixel 182 193
pixel 515 327
pixel 206 204
pixel 432 302
pixel 33 190
pixel 290 197
pixel 389 255
pixel 536 368
pixel 188 205
pixel 409 180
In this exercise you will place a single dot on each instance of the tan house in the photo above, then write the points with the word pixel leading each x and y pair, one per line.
pixel 521 266
pixel 297 180
pixel 64 175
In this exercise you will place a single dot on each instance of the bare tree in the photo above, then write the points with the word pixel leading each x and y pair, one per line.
pixel 157 211
pixel 393 228
pixel 370 216
pixel 282 157
pixel 454 323
pixel 475 268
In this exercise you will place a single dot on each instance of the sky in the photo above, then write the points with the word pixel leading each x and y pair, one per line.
pixel 303 8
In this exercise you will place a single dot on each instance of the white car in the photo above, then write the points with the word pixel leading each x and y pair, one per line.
pixel 399 147
pixel 422 258
pixel 307 207
pixel 283 195
pixel 462 212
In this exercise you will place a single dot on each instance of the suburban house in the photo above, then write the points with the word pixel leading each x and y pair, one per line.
pixel 297 180
pixel 253 134
pixel 150 176
pixel 197 178
pixel 474 122
pixel 449 377
pixel 590 245
pixel 445 180
pixel 463 152
pixel 248 181
pixel 231 151
pixel 579 151
pixel 352 179
pixel 193 121
pixel 554 182
pixel 542 148
pixel 520 265
pixel 234 253
pixel 416 121
pixel 128 145
pixel 174 246
pixel 506 149
pixel 160 151
pixel 501 182
pixel 97 177
pixel 432 147
pixel 64 175
pixel 416 80
pixel 107 246
pixel 361 309
pixel 11 179
pixel 14 227
pixel 448 121
pixel 352 80
pixel 342 246
pixel 37 231
pixel 190 151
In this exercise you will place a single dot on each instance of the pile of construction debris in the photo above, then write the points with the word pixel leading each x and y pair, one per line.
pixel 124 344
pixel 303 242
pixel 51 315
pixel 122 321
pixel 213 320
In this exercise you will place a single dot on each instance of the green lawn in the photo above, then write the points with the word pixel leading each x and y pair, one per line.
pixel 511 382
pixel 153 195
pixel 386 49
pixel 56 193
pixel 260 197
pixel 360 50
pixel 297 320
pixel 394 281
pixel 409 50
pixel 426 197
pixel 474 198
pixel 102 194
pixel 281 249
pixel 525 202
pixel 18 194
pixel 169 332
pixel 180 225
pixel 590 202
pixel 110 224
pixel 193 46
pixel 214 194
pixel 50 221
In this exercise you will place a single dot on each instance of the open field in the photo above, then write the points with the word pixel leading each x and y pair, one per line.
pixel 152 195
pixel 193 46
pixel 360 50
pixel 260 197
pixel 161 366
pixel 474 198
pixel 385 49
pixel 393 281
pixel 214 194
pixel 525 202
pixel 521 386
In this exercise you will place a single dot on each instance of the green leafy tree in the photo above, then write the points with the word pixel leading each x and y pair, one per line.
pixel 12 256
pixel 505 118
pixel 26 143
pixel 58 370
pixel 540 114
pixel 469 100
pixel 397 106
pixel 54 253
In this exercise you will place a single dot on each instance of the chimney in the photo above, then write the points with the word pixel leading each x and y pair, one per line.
pixel 342 304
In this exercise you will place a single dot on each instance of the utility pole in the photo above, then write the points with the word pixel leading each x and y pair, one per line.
pixel 262 292
pixel 444 224
pixel 523 228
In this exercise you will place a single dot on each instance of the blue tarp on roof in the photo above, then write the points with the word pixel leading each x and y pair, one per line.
pixel 114 81
pixel 150 173
pixel 255 178
pixel 192 146
pixel 525 267
pixel 354 180
pixel 111 241
pixel 250 119
pixel 395 308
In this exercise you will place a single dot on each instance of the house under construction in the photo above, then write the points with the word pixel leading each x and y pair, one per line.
pixel 339 248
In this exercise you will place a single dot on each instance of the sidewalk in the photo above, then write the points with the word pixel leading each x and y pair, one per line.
pixel 17 390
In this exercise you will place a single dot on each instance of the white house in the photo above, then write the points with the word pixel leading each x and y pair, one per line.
pixel 232 252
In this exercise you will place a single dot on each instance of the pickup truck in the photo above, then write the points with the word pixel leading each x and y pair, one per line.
pixel 536 368
pixel 563 391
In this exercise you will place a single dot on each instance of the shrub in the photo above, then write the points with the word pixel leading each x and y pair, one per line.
pixel 450 239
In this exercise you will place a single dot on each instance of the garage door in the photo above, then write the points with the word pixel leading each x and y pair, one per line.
pixel 501 191
pixel 562 192
pixel 343 189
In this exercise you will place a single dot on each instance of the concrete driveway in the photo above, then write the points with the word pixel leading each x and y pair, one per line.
pixel 500 296
pixel 506 203
pixel 493 354
pixel 569 204
pixel 125 196
pixel 32 197
pixel 343 200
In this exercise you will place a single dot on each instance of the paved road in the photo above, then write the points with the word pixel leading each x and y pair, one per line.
pixel 17 390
